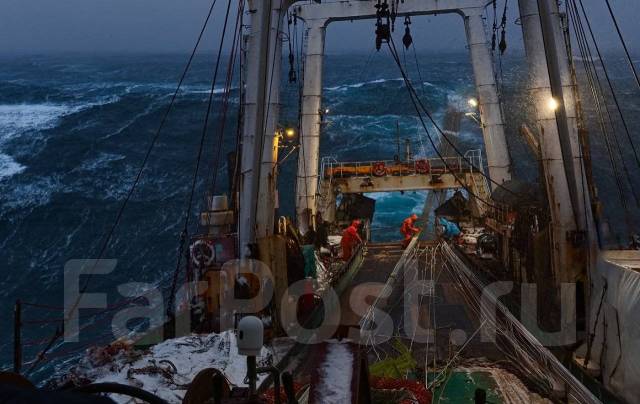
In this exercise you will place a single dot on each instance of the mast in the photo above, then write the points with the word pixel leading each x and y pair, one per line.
pixel 253 127
pixel 269 165
pixel 553 129
pixel 495 141
pixel 309 155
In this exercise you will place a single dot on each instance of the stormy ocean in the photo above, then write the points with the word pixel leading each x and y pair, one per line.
pixel 74 130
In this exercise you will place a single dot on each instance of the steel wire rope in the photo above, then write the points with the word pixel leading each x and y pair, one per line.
pixel 440 156
pixel 545 358
pixel 473 302
pixel 624 43
pixel 419 105
pixel 136 181
pixel 583 172
pixel 235 48
pixel 194 181
pixel 424 93
pixel 610 84
pixel 598 94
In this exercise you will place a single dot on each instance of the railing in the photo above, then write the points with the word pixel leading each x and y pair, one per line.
pixel 472 161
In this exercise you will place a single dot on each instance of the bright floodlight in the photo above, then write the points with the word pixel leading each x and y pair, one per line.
pixel 290 132
pixel 473 102
pixel 552 104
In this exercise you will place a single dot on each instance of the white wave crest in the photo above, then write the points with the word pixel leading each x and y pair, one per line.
pixel 344 87
pixel 18 119
pixel 9 167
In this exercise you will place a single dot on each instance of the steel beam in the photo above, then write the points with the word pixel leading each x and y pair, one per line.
pixel 390 183
pixel 267 195
pixel 552 159
pixel 495 141
pixel 318 16
pixel 309 154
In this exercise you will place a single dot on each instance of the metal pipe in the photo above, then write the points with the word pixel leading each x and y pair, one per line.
pixel 252 376
pixel 309 155
pixel 549 21
pixel 253 123
pixel 495 141
pixel 266 205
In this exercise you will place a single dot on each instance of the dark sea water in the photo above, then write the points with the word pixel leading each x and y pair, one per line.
pixel 74 129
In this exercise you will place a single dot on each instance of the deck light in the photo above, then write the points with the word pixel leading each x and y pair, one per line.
pixel 290 133
pixel 473 102
pixel 553 104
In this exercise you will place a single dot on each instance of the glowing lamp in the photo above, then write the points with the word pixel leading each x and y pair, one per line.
pixel 290 133
pixel 473 102
pixel 552 104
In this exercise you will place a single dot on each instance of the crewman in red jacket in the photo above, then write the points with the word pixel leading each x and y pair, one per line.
pixel 350 239
pixel 408 229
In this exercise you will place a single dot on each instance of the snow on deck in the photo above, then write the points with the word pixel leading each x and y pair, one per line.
pixel 167 369
pixel 335 375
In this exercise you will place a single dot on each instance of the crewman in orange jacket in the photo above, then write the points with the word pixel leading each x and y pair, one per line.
pixel 350 239
pixel 408 229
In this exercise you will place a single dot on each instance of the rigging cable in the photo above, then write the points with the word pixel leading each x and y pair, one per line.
pixel 598 95
pixel 624 44
pixel 613 93
pixel 136 181
pixel 417 100
pixel 592 73
pixel 227 93
pixel 194 181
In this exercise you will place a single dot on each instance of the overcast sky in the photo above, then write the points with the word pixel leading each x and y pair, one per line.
pixel 98 26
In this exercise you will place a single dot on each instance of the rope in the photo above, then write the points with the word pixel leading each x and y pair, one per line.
pixel 415 101
pixel 597 92
pixel 136 181
pixel 624 43
pixel 194 181
pixel 608 79
pixel 522 342
pixel 235 48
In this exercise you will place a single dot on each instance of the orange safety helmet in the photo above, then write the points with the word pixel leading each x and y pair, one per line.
pixel 414 217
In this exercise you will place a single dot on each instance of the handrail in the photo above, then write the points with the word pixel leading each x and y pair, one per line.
pixel 363 169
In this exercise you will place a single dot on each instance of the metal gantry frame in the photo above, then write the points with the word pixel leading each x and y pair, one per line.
pixel 318 16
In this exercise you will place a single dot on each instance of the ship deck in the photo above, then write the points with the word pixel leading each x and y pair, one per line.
pixel 456 347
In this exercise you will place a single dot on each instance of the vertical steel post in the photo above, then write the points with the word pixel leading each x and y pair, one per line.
pixel 265 214
pixel 253 121
pixel 309 154
pixel 495 141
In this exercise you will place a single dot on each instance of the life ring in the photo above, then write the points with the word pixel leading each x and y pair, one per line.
pixel 422 166
pixel 379 169
pixel 203 253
